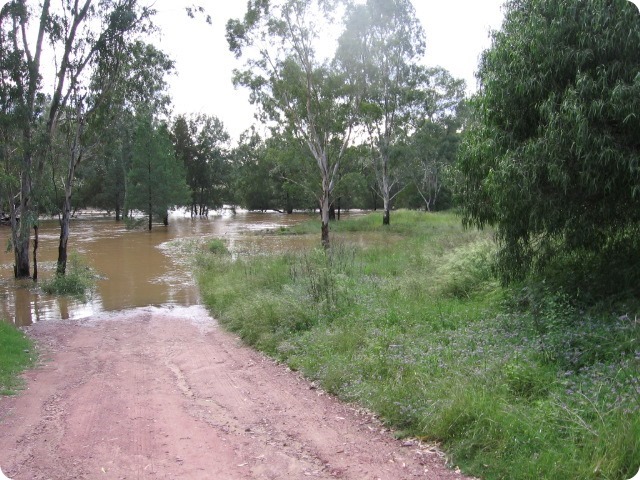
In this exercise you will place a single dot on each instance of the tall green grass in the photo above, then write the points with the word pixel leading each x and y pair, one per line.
pixel 16 354
pixel 516 383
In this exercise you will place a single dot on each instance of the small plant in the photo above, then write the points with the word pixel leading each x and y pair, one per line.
pixel 77 282
pixel 217 247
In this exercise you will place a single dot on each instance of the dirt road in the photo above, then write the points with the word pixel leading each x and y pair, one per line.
pixel 165 394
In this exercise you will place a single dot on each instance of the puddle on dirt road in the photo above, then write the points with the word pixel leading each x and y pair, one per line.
pixel 138 268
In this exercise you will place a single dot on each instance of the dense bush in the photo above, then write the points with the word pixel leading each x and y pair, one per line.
pixel 551 156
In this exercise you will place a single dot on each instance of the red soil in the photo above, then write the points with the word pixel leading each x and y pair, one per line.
pixel 165 393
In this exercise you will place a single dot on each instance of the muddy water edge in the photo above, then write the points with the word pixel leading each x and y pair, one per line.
pixel 137 268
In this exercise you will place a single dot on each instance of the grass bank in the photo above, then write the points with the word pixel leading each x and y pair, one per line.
pixel 17 353
pixel 517 383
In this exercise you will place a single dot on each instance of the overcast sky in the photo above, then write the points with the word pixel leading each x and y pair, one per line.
pixel 457 32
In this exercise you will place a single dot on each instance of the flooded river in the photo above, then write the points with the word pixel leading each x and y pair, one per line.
pixel 137 267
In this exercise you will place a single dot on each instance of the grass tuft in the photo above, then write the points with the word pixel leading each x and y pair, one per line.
pixel 77 282
pixel 217 247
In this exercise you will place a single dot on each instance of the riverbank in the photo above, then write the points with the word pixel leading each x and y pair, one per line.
pixel 516 383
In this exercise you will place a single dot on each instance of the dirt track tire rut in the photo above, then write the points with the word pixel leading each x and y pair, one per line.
pixel 165 394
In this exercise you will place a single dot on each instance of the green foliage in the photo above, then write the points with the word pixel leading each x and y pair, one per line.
pixel 134 223
pixel 516 383
pixel 17 353
pixel 466 270
pixel 77 282
pixel 201 145
pixel 217 247
pixel 156 180
pixel 551 156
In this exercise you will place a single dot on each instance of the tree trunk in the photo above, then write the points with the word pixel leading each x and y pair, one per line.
pixel 21 229
pixel 20 269
pixel 35 253
pixel 386 190
pixel 332 212
pixel 61 268
pixel 75 156
pixel 324 213
pixel 150 217
pixel 165 220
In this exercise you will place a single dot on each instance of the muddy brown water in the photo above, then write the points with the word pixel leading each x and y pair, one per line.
pixel 138 268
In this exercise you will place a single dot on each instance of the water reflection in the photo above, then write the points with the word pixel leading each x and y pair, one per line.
pixel 138 267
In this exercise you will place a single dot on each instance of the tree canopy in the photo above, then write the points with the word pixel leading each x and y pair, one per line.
pixel 381 44
pixel 295 87
pixel 551 156
pixel 156 181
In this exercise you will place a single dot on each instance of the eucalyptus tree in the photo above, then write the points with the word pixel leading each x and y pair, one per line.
pixel 77 32
pixel 21 84
pixel 433 145
pixel 551 156
pixel 382 43
pixel 140 85
pixel 104 58
pixel 297 90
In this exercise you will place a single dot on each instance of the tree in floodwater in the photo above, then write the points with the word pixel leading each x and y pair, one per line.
pixel 297 90
pixel 21 88
pixel 252 182
pixel 141 83
pixel 551 155
pixel 381 44
pixel 105 60
pixel 156 181
pixel 202 145
pixel 76 32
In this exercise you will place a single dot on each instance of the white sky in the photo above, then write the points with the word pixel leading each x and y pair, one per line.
pixel 457 32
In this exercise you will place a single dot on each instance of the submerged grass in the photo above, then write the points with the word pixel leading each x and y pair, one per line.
pixel 515 384
pixel 17 353
pixel 77 282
